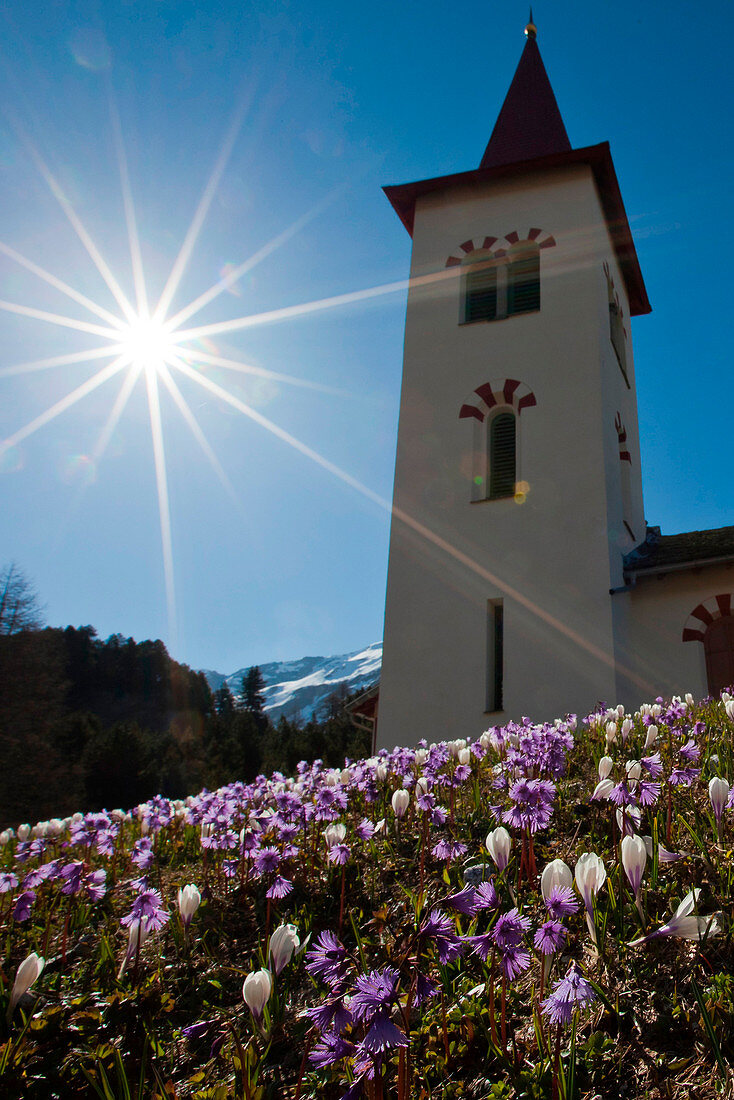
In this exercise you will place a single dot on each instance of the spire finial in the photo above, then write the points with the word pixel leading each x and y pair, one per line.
pixel 531 31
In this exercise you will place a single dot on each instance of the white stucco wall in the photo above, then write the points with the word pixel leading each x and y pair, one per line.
pixel 651 618
pixel 553 558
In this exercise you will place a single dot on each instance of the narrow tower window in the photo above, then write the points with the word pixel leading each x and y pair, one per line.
pixel 523 280
pixel 495 654
pixel 502 456
pixel 480 289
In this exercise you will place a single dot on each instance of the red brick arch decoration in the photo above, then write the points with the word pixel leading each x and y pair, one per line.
pixel 487 244
pixel 700 619
pixel 504 391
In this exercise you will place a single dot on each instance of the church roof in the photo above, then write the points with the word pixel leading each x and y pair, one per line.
pixel 666 553
pixel 529 124
pixel 529 136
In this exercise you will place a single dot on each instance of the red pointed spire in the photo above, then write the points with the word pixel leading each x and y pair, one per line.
pixel 529 124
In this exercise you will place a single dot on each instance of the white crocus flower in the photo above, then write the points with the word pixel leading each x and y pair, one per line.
pixel 718 795
pixel 652 737
pixel 628 819
pixel 685 924
pixel 189 900
pixel 498 845
pixel 634 858
pixel 335 834
pixel 256 991
pixel 590 875
pixel 605 767
pixel 555 873
pixel 283 942
pixel 28 971
pixel 664 856
pixel 400 802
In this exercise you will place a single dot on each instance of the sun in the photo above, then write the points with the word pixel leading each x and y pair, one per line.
pixel 148 343
pixel 154 343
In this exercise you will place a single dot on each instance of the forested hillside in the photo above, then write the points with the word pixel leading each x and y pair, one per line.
pixel 92 723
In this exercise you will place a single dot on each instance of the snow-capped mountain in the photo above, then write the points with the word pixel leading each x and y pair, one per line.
pixel 299 689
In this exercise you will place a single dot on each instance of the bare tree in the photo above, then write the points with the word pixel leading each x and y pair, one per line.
pixel 19 604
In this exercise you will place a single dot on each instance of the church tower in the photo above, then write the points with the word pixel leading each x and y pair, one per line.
pixel 517 481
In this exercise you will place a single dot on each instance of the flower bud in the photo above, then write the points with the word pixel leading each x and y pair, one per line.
pixel 400 803
pixel 335 834
pixel 28 971
pixel 189 900
pixel 283 942
pixel 256 991
pixel 498 844
pixel 555 873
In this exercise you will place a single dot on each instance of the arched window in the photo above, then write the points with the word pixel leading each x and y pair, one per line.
pixel 501 456
pixel 499 285
pixel 523 278
pixel 718 645
pixel 479 289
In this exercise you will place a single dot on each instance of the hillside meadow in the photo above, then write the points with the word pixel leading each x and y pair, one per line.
pixel 542 911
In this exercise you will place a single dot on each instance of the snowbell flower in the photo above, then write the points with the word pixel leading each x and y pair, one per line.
pixel 685 924
pixel 634 858
pixel 570 993
pixel 718 794
pixel 256 991
pixel 283 942
pixel 498 845
pixel 590 875
pixel 189 900
pixel 27 973
pixel 400 802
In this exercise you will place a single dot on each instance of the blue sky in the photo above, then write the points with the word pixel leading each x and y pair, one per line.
pixel 334 102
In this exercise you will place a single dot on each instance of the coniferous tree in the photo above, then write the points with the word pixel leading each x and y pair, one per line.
pixel 253 697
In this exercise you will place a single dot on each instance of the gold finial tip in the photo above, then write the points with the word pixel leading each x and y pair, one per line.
pixel 531 31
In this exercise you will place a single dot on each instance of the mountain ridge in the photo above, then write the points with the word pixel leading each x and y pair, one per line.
pixel 298 689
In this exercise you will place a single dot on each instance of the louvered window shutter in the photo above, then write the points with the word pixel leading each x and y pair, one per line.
pixel 502 456
pixel 481 293
pixel 523 285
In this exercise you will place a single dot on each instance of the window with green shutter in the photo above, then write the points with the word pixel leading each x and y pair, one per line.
pixel 480 290
pixel 523 282
pixel 502 456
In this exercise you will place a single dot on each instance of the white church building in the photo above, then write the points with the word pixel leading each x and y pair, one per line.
pixel 522 577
